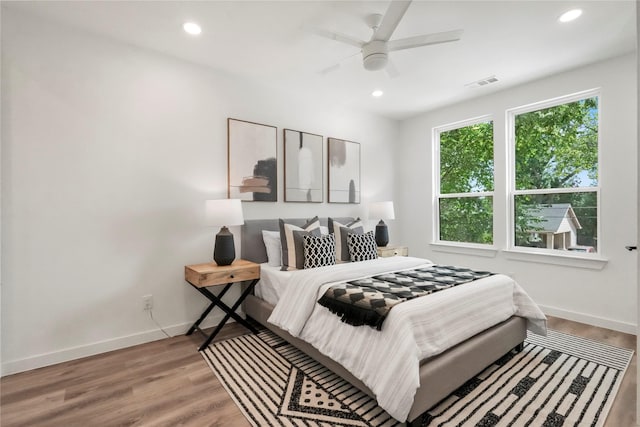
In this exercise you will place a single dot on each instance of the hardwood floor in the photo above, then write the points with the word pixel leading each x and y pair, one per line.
pixel 168 383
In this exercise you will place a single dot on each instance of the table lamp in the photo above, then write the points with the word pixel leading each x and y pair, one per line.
pixel 382 210
pixel 223 213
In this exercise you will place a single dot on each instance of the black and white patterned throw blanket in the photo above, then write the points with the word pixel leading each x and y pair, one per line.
pixel 368 301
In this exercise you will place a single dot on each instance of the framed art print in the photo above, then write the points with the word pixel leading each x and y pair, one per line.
pixel 344 171
pixel 252 161
pixel 302 167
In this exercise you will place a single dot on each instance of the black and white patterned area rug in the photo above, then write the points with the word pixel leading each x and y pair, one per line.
pixel 558 380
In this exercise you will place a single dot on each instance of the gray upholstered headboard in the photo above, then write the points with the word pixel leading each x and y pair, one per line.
pixel 252 245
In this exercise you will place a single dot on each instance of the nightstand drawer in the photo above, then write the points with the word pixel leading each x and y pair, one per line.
pixel 392 250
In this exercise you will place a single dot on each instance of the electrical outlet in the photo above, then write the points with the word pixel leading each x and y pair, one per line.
pixel 147 302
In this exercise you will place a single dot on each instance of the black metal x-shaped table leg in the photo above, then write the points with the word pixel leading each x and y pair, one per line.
pixel 211 306
pixel 216 301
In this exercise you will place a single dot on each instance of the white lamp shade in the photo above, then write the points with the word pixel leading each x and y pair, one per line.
pixel 224 212
pixel 381 210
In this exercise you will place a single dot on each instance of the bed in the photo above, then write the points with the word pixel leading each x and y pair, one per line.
pixel 436 377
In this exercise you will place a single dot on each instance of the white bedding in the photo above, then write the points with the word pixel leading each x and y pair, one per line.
pixel 272 283
pixel 388 361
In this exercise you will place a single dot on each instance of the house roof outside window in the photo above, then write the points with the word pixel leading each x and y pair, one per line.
pixel 551 218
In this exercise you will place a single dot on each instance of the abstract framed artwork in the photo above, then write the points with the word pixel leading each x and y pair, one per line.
pixel 252 161
pixel 344 171
pixel 303 180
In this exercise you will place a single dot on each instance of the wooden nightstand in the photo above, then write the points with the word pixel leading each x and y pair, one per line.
pixel 211 274
pixel 392 250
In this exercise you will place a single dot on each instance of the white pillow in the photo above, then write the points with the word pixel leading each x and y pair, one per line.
pixel 324 230
pixel 274 247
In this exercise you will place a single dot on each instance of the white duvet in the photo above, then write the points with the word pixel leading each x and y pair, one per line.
pixel 388 361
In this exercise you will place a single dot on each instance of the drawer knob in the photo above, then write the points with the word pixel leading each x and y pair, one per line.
pixel 231 276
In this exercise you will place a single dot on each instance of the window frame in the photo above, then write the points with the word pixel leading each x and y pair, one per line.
pixel 512 192
pixel 436 131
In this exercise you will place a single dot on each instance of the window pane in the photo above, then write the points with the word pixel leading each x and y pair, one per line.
pixel 567 222
pixel 557 147
pixel 467 219
pixel 466 159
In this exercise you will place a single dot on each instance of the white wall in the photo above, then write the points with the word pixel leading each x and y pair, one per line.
pixel 605 297
pixel 109 152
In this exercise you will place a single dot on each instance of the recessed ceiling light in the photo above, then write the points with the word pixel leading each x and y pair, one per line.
pixel 570 15
pixel 192 28
pixel 377 93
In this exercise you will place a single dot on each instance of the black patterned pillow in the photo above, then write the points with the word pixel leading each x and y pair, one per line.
pixel 319 250
pixel 362 247
pixel 341 231
pixel 291 240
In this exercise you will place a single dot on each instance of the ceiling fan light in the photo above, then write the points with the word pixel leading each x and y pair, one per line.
pixel 375 61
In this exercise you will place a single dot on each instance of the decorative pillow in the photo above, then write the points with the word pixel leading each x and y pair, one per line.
pixel 319 250
pixel 324 230
pixel 292 244
pixel 341 231
pixel 274 247
pixel 362 247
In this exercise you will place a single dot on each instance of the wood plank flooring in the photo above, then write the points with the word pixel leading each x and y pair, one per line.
pixel 167 383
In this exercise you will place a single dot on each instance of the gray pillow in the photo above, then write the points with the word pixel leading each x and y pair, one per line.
pixel 292 243
pixel 341 231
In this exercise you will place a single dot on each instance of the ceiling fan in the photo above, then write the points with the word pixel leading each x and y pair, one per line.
pixel 375 52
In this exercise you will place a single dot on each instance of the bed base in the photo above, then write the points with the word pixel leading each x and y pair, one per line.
pixel 439 375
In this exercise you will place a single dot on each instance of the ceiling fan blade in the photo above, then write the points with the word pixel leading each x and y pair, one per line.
pixel 427 39
pixel 337 65
pixel 330 69
pixel 344 38
pixel 391 19
pixel 391 69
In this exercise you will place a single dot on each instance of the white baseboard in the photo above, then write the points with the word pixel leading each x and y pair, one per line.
pixel 48 359
pixel 628 328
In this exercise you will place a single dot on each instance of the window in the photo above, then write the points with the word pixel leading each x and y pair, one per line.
pixel 464 181
pixel 554 185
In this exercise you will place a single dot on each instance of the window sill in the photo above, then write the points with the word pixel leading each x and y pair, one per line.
pixel 465 249
pixel 593 262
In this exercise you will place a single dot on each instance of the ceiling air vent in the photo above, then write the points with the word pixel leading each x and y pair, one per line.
pixel 482 82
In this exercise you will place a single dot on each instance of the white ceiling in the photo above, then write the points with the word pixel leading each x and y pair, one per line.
pixel 266 41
